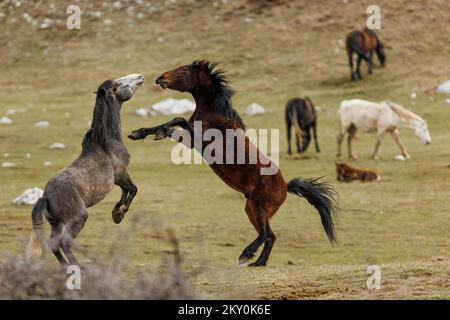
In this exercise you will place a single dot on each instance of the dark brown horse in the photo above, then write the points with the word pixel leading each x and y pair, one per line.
pixel 301 114
pixel 364 43
pixel 264 193
pixel 101 165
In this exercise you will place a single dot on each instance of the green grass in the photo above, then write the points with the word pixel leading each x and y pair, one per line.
pixel 399 223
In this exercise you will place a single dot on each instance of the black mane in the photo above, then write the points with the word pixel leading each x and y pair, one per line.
pixel 106 119
pixel 222 103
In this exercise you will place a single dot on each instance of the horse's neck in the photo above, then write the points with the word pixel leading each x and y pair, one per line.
pixel 407 123
pixel 114 125
pixel 203 99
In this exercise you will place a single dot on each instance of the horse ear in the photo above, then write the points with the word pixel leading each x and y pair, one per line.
pixel 202 64
pixel 204 77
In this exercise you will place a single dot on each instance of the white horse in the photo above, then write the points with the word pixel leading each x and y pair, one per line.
pixel 380 118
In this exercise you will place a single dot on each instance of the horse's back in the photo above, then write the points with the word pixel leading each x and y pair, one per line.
pixel 365 40
pixel 300 110
pixel 362 114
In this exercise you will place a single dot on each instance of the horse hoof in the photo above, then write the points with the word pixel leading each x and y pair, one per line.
pixel 119 214
pixel 243 260
pixel 123 209
pixel 257 264
pixel 134 135
pixel 117 218
pixel 244 257
pixel 159 135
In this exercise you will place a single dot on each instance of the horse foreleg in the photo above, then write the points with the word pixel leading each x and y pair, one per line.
pixel 397 139
pixel 316 142
pixel 351 135
pixel 162 131
pixel 370 62
pixel 306 141
pixel 129 191
pixel 298 137
pixel 358 67
pixel 339 139
pixel 377 145
pixel 288 133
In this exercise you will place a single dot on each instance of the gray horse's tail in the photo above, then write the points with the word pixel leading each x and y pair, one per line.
pixel 37 240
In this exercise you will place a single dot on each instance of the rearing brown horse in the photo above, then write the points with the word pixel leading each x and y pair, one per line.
pixel 264 193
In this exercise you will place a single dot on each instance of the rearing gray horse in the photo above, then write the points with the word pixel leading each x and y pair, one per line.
pixel 101 165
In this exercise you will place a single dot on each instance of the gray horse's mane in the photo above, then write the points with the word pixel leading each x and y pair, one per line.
pixel 105 120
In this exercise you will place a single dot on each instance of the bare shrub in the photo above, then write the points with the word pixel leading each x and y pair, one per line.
pixel 24 277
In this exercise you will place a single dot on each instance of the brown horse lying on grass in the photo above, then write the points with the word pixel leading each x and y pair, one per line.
pixel 264 193
pixel 363 43
pixel 347 173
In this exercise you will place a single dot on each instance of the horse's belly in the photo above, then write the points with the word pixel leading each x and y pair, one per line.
pixel 97 190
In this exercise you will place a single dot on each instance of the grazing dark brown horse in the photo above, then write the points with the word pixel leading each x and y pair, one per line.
pixel 347 173
pixel 301 114
pixel 101 165
pixel 363 43
pixel 264 193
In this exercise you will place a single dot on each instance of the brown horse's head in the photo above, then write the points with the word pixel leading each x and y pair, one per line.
pixel 187 78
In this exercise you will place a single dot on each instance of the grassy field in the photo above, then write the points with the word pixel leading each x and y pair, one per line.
pixel 272 53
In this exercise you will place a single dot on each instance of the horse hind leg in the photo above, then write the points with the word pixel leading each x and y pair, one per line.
pixel 263 203
pixel 268 245
pixel 72 230
pixel 266 212
pixel 250 250
pixel 55 242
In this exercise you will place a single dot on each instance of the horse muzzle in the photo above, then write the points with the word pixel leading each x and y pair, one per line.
pixel 162 82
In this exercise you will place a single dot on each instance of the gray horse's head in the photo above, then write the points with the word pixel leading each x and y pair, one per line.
pixel 126 86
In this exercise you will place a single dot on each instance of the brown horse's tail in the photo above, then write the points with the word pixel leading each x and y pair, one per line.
pixel 322 196
pixel 38 239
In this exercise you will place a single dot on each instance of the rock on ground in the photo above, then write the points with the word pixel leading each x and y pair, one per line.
pixel 254 109
pixel 29 196
pixel 444 87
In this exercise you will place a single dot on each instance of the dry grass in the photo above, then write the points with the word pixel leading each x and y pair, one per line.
pixel 272 52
